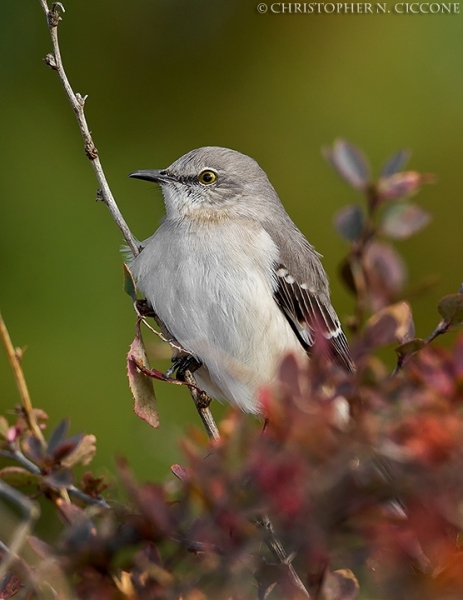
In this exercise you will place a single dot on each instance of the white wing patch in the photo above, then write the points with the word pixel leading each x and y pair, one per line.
pixel 307 310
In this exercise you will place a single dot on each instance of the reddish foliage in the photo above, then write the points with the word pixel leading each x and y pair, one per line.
pixel 360 476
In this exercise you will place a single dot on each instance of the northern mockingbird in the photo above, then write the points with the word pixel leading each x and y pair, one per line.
pixel 232 277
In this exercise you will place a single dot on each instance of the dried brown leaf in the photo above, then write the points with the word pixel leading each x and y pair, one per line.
pixel 83 454
pixel 141 386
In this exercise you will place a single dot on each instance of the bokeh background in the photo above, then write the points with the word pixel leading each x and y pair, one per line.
pixel 165 77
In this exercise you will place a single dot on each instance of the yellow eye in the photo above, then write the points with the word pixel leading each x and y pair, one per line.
pixel 207 177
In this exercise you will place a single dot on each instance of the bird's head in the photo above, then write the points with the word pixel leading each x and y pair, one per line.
pixel 210 181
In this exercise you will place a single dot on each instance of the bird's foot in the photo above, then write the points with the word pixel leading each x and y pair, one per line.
pixel 183 364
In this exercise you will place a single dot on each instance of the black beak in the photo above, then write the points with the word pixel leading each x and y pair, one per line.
pixel 152 175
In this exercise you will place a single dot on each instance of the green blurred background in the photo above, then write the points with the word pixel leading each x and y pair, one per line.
pixel 164 77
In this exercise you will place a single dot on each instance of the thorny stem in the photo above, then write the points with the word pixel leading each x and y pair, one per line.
pixel 15 362
pixel 77 103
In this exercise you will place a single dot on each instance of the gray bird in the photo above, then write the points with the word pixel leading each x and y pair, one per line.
pixel 232 277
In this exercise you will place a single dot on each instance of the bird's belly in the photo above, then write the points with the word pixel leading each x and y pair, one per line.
pixel 222 310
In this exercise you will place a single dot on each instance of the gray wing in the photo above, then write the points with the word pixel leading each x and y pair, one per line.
pixel 303 294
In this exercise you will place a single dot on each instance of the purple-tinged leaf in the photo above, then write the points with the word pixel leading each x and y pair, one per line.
pixel 58 435
pixel 450 309
pixel 141 385
pixel 83 453
pixel 33 448
pixel 402 184
pixel 66 447
pixel 152 504
pixel 59 479
pixel 289 375
pixel 395 163
pixel 73 514
pixel 182 473
pixel 385 274
pixel 129 283
pixel 18 477
pixel 401 221
pixel 391 324
pixel 349 222
pixel 349 162
pixel 410 347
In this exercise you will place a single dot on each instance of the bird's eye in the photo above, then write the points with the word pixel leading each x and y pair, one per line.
pixel 207 177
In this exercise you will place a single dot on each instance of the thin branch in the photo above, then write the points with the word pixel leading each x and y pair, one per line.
pixel 77 102
pixel 276 547
pixel 22 460
pixel 74 491
pixel 202 402
pixel 15 362
pixel 403 359
pixel 90 500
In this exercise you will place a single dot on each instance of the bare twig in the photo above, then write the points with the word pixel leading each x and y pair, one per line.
pixel 77 102
pixel 200 398
pixel 403 359
pixel 202 402
pixel 22 460
pixel 276 548
pixel 19 457
pixel 143 311
pixel 15 362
